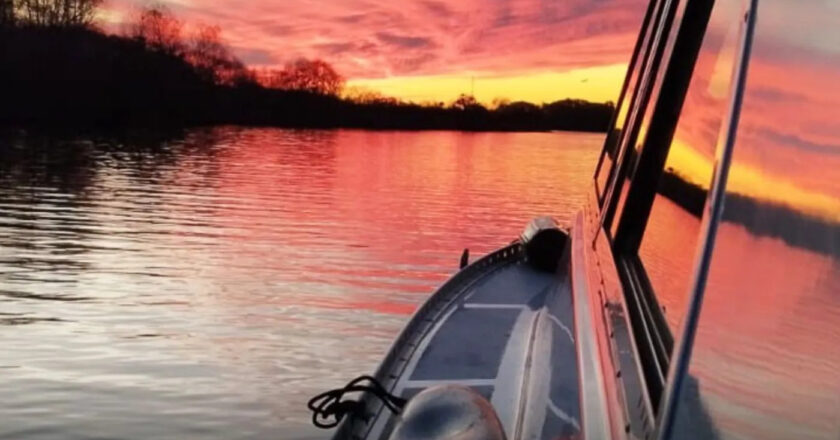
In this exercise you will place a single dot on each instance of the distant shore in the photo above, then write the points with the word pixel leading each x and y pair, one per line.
pixel 80 77
pixel 778 221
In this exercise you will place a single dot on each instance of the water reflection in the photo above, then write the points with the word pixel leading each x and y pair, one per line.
pixel 766 355
pixel 205 283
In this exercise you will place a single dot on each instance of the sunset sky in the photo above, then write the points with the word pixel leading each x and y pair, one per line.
pixel 429 50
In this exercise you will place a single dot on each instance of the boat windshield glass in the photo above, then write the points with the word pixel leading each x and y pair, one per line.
pixel 615 132
pixel 669 243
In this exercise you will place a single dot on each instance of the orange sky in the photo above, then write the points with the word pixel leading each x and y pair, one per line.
pixel 428 50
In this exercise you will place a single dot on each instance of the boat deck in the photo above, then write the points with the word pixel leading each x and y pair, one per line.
pixel 504 329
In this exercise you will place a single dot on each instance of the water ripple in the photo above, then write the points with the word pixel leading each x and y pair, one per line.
pixel 205 284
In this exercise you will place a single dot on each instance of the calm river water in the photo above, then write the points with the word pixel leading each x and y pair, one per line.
pixel 206 284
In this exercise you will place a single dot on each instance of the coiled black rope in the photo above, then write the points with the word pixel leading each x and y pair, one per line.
pixel 328 409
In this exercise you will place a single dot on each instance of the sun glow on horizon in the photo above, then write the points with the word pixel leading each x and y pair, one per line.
pixel 596 84
pixel 751 181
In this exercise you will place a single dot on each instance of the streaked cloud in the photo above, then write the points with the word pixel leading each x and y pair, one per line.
pixel 383 38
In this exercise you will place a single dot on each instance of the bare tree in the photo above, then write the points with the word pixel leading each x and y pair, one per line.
pixel 363 95
pixel 58 13
pixel 7 13
pixel 499 102
pixel 465 102
pixel 315 76
pixel 79 12
pixel 158 28
pixel 208 53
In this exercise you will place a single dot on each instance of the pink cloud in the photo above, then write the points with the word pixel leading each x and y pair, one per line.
pixel 379 38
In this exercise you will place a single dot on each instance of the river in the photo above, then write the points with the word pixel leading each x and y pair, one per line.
pixel 206 283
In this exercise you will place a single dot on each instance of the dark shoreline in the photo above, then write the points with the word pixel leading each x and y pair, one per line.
pixel 80 78
pixel 762 218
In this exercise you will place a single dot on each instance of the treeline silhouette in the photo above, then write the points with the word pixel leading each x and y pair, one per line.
pixel 761 217
pixel 57 68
